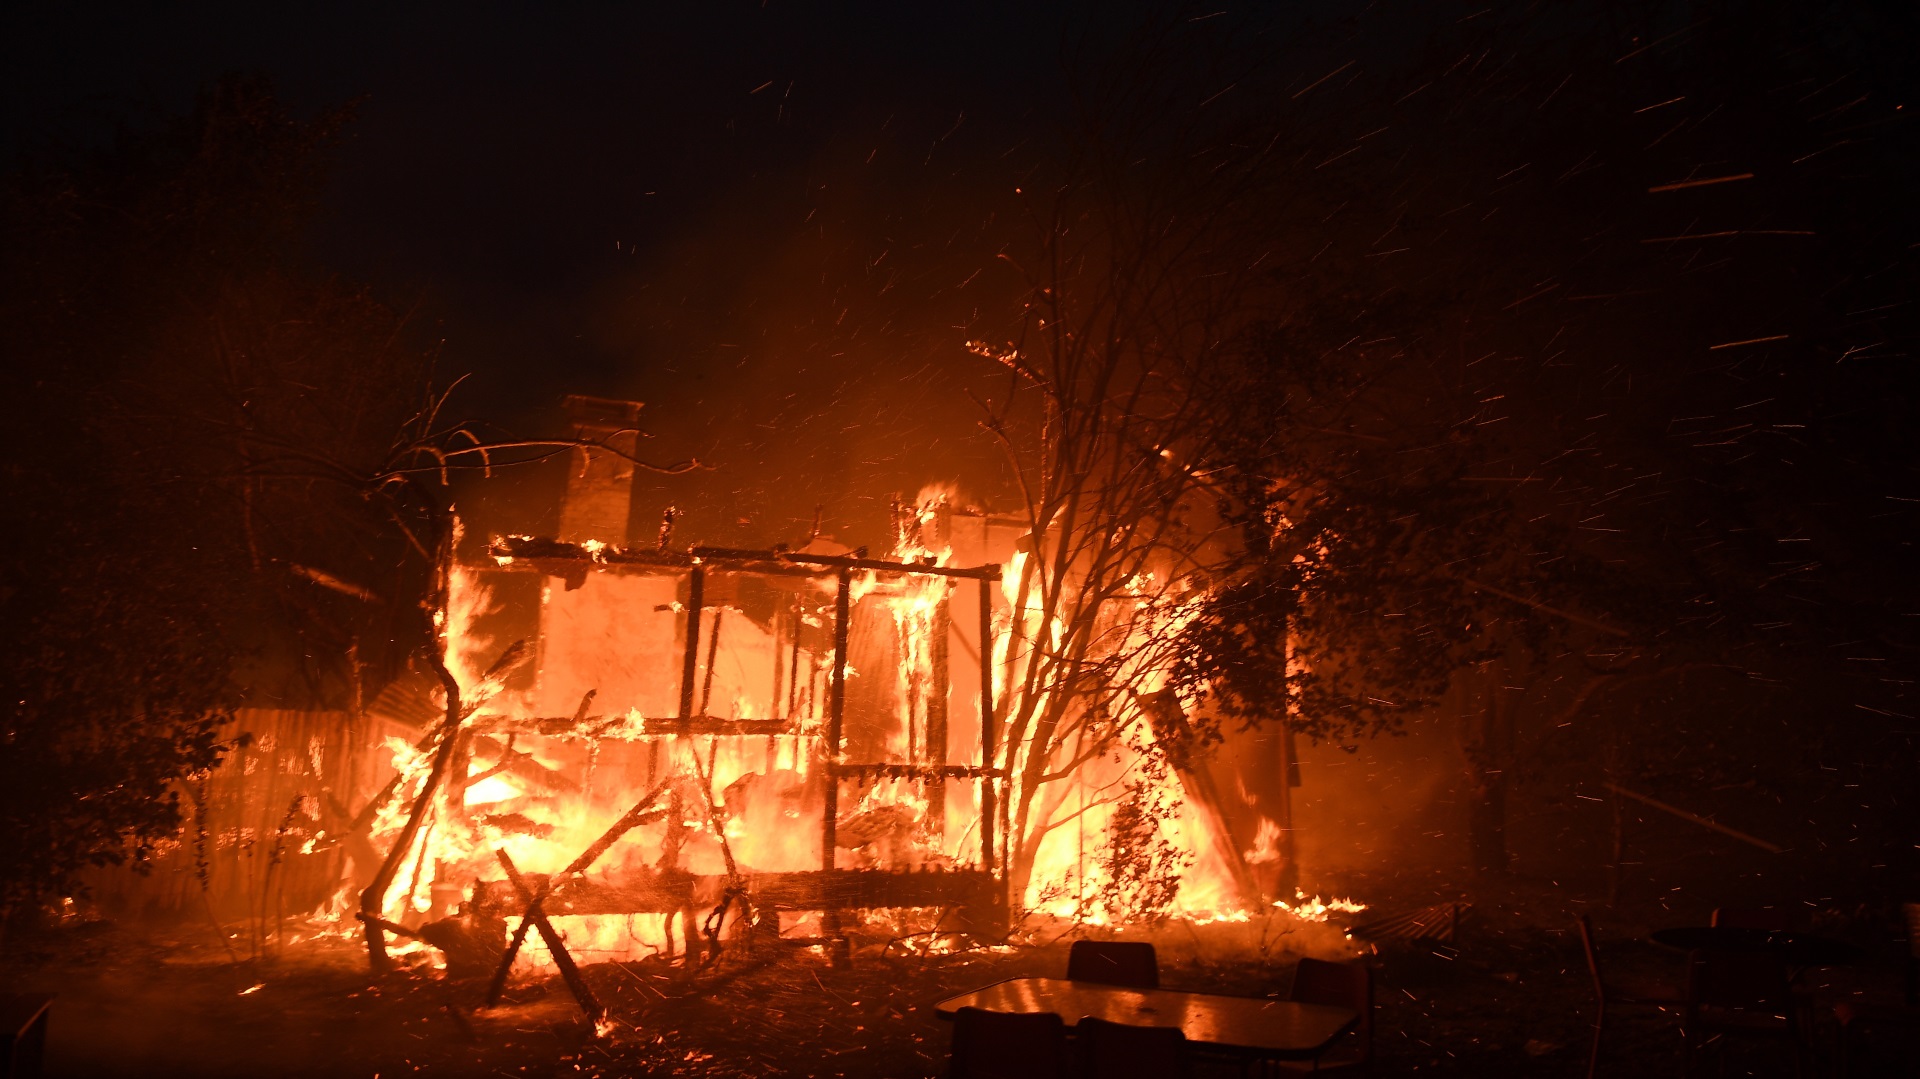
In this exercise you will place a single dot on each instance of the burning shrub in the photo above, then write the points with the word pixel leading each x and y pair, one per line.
pixel 1142 868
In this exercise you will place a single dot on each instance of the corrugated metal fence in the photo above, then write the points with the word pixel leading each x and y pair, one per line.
pixel 250 823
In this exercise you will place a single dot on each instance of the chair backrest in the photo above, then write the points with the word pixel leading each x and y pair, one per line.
pixel 1593 955
pixel 1118 1051
pixel 1005 1045
pixel 1343 985
pixel 1766 918
pixel 1114 962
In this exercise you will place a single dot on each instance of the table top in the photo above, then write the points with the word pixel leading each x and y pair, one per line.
pixel 1796 949
pixel 18 1012
pixel 1275 1028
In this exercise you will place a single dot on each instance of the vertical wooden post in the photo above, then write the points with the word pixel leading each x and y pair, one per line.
pixel 779 672
pixel 713 660
pixel 989 794
pixel 690 662
pixel 792 713
pixel 836 715
pixel 793 671
pixel 938 686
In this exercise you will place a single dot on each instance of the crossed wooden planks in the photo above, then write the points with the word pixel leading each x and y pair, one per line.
pixel 641 813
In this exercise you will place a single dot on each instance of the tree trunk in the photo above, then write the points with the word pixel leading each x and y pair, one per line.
pixel 1489 759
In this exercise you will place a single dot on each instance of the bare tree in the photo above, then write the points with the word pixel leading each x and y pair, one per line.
pixel 1138 291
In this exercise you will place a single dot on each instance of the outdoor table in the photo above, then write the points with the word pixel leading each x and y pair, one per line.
pixel 1249 1026
pixel 1793 949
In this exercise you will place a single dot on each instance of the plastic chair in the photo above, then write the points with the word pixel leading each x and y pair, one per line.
pixel 1342 985
pixel 1741 995
pixel 1119 1051
pixel 1607 993
pixel 1008 1045
pixel 1114 962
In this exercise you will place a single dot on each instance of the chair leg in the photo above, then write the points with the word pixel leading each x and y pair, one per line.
pixel 1599 1024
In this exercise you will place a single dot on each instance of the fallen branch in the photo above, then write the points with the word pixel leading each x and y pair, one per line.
pixel 1701 821
pixel 373 899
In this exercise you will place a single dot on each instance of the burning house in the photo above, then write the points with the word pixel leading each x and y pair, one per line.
pixel 661 749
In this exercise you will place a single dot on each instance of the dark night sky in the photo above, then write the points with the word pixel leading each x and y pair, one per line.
pixel 648 201
pixel 765 220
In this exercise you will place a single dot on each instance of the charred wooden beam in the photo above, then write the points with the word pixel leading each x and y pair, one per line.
pixel 861 889
pixel 713 656
pixel 555 946
pixel 643 891
pixel 690 660
pixel 642 812
pixel 590 727
pixel 928 772
pixel 668 891
pixel 395 928
pixel 514 550
pixel 467 950
pixel 842 562
pixel 716 725
pixel 522 764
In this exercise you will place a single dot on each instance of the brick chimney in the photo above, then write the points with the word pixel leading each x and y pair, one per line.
pixel 599 484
